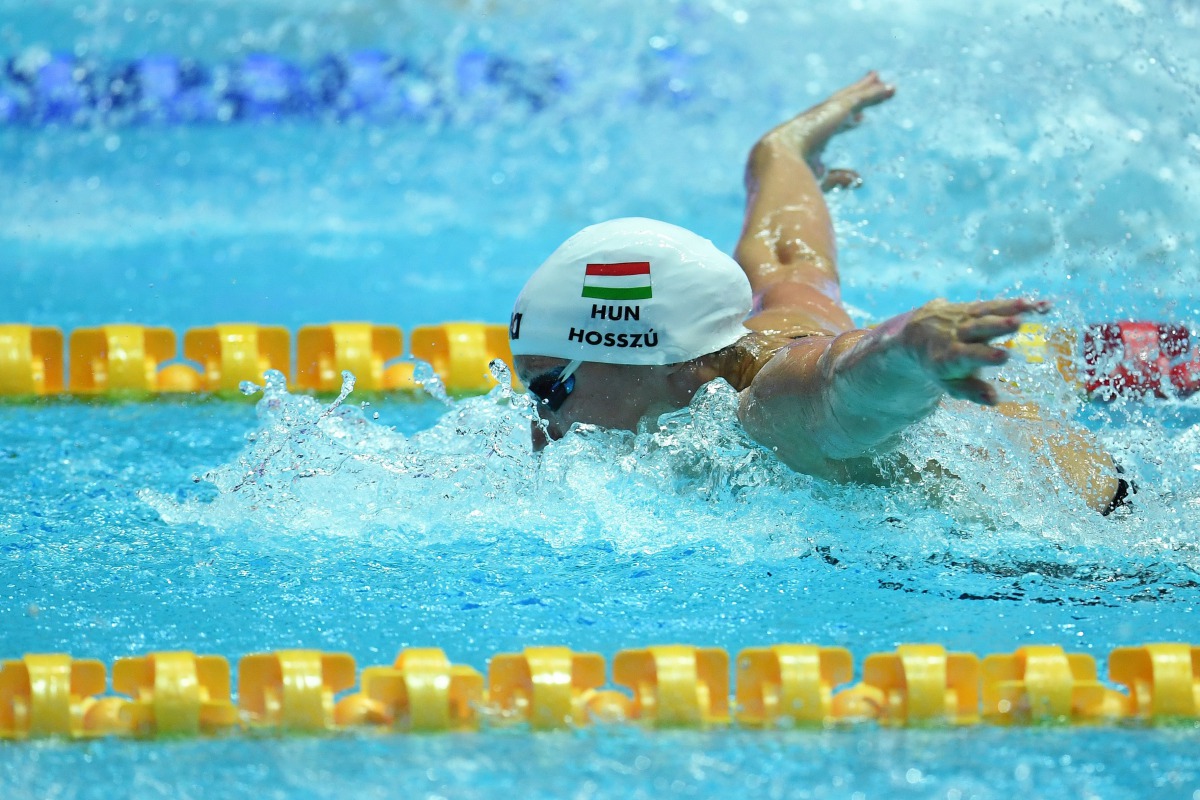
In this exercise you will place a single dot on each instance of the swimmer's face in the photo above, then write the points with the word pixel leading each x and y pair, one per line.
pixel 608 395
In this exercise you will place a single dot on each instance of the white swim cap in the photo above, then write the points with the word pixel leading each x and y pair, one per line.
pixel 631 291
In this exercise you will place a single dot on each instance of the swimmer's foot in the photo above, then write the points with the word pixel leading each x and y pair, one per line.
pixel 810 131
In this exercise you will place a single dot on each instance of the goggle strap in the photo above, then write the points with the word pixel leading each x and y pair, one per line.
pixel 568 371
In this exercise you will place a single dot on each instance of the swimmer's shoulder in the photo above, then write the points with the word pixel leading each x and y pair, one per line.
pixel 739 363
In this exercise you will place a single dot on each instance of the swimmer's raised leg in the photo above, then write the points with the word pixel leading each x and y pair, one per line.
pixel 808 132
pixel 787 244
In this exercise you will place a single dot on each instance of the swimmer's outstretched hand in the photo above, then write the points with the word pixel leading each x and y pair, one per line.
pixel 953 341
pixel 827 399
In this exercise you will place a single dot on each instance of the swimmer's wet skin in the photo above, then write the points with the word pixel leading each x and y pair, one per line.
pixel 628 318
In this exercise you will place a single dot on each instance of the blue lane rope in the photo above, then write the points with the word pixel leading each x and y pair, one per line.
pixel 41 88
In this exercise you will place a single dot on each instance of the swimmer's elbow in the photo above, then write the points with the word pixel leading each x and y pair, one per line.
pixel 801 440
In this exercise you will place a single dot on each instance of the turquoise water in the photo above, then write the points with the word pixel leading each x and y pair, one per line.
pixel 1039 147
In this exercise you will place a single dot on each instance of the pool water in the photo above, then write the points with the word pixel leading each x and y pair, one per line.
pixel 1042 147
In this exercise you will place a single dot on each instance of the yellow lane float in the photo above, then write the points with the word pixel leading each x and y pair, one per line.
pixel 546 688
pixel 1130 358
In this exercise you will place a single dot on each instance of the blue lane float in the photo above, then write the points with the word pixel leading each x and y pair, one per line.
pixel 44 88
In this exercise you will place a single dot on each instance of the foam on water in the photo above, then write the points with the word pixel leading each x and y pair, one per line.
pixel 695 477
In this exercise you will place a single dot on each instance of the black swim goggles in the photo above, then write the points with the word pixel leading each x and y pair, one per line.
pixel 552 388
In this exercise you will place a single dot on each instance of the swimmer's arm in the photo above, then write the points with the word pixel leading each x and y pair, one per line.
pixel 1078 457
pixel 826 400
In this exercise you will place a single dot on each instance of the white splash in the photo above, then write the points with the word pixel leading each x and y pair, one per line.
pixel 692 478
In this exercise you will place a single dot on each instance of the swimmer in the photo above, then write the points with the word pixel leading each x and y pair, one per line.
pixel 629 318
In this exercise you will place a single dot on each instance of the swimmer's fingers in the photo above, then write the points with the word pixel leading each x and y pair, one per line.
pixel 974 389
pixel 988 327
pixel 953 340
pixel 1007 307
pixel 962 360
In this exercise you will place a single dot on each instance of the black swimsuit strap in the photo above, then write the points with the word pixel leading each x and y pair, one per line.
pixel 1121 498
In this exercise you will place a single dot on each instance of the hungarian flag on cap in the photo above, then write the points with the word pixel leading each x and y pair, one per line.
pixel 628 280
